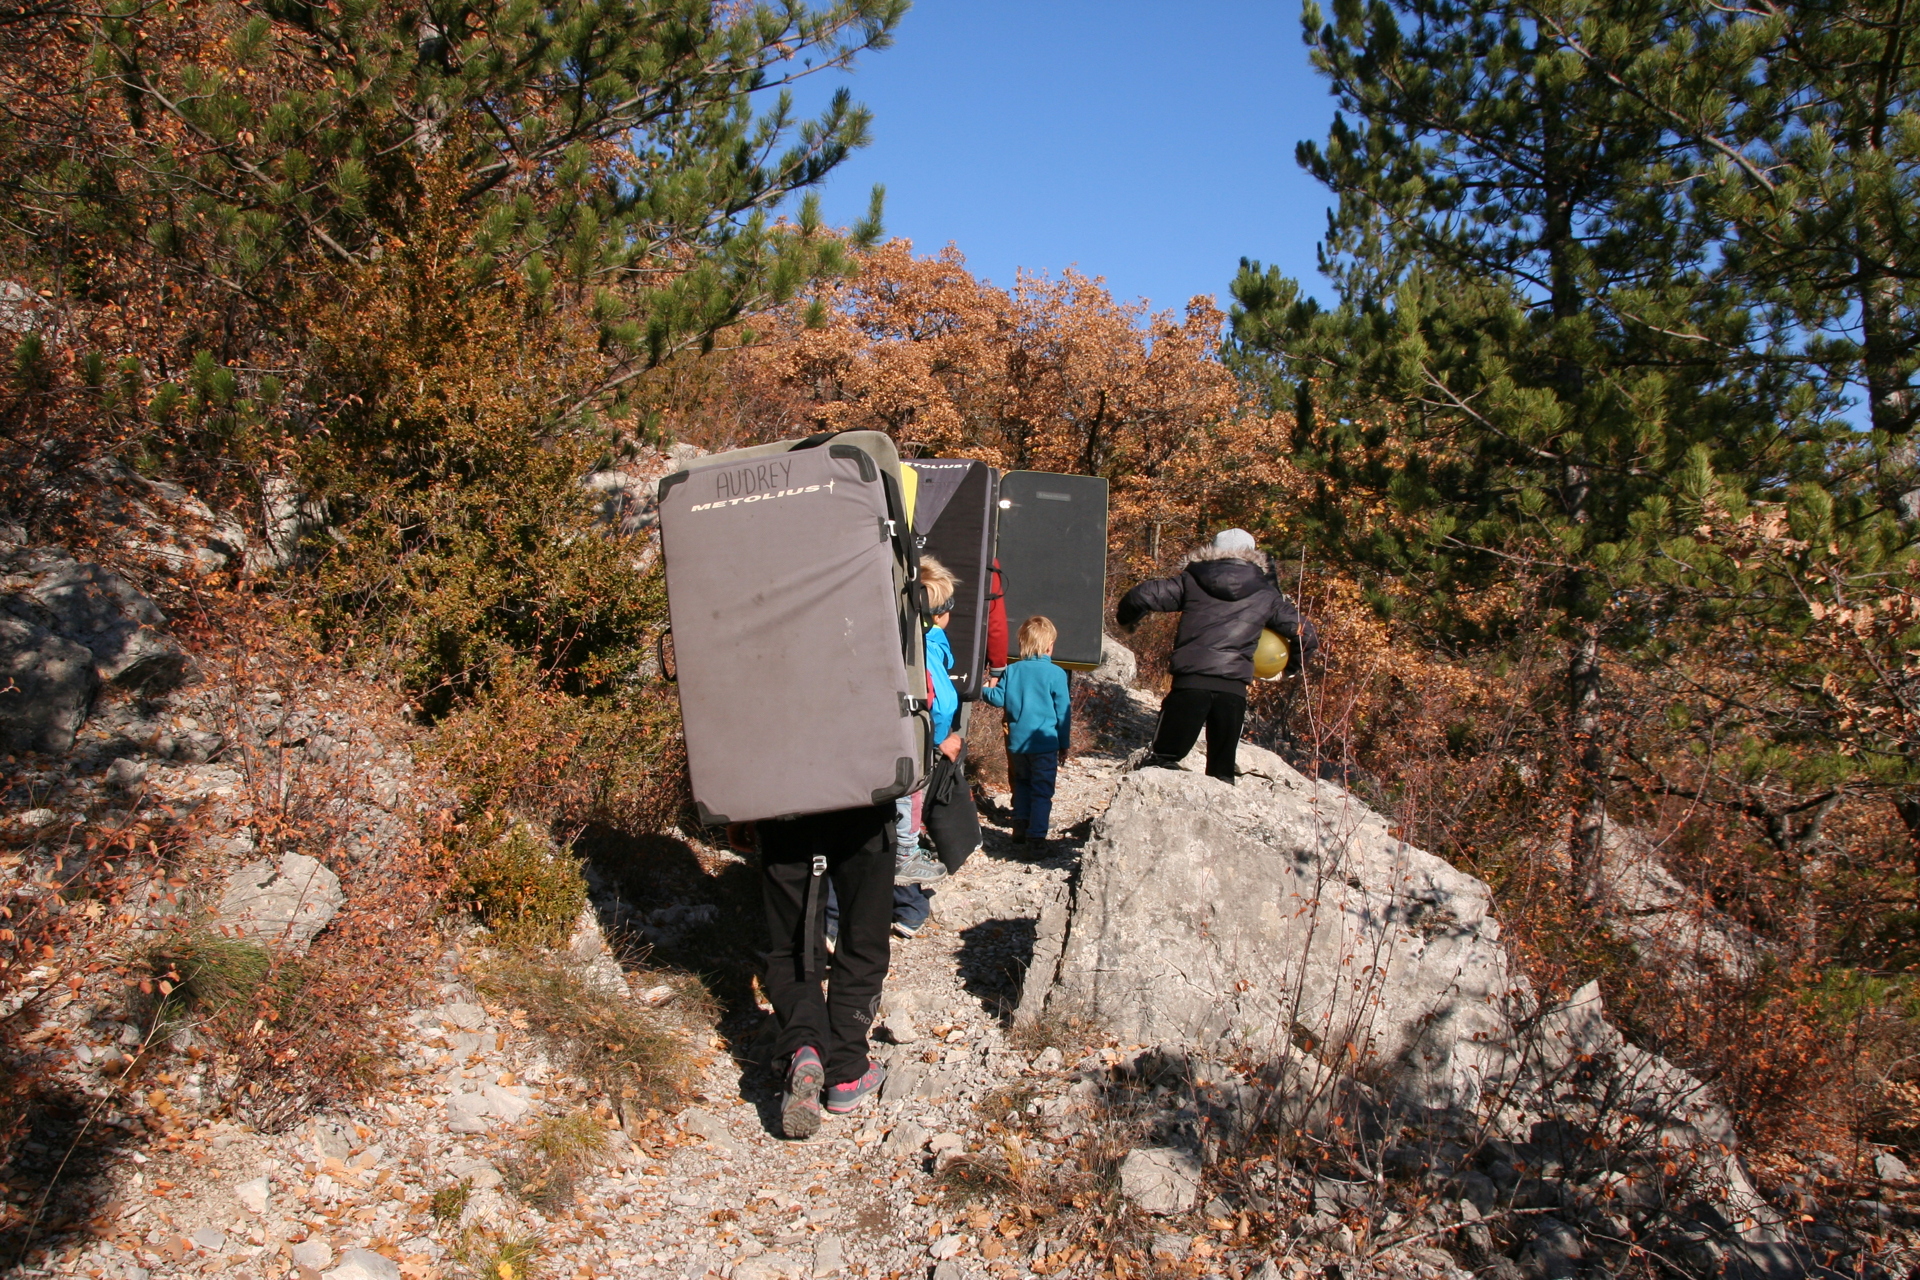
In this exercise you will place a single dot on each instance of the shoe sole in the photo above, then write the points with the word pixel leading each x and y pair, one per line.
pixel 800 1112
pixel 905 931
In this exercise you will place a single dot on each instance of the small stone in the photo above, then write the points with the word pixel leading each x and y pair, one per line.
pixel 470 1016
pixel 1890 1168
pixel 477 1173
pixel 1049 1059
pixel 829 1255
pixel 34 819
pixel 1554 1252
pixel 949 1271
pixel 1266 1271
pixel 212 1239
pixel 657 996
pixel 948 1141
pixel 704 1124
pixel 1161 1180
pixel 253 1195
pixel 313 1254
pixel 126 773
pixel 906 1140
pixel 504 1103
pixel 945 1247
pixel 364 1264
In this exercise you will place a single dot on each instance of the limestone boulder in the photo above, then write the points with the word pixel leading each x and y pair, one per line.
pixel 284 903
pixel 47 682
pixel 1278 915
pixel 99 610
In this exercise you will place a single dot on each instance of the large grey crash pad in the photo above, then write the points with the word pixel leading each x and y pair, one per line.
pixel 799 659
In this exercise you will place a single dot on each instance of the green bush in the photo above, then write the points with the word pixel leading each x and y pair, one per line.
pixel 522 890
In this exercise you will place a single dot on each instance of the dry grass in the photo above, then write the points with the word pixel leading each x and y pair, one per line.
pixel 639 1057
pixel 561 1153
pixel 488 1254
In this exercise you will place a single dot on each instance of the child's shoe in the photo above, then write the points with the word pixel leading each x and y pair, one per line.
pixel 919 869
pixel 901 929
pixel 842 1098
pixel 800 1109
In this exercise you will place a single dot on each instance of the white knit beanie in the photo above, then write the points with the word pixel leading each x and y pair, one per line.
pixel 1233 540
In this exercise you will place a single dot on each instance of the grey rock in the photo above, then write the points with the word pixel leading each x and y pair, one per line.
pixel 704 1124
pixel 46 685
pixel 1161 1180
pixel 1118 665
pixel 1555 1251
pixel 103 612
pixel 212 1239
pixel 1210 913
pixel 596 965
pixel 332 1139
pixel 905 1140
pixel 1675 929
pixel 829 1255
pixel 481 1175
pixel 1049 1059
pixel 949 1271
pixel 313 1253
pixel 364 1264
pixel 469 1113
pixel 1890 1168
pixel 282 904
pixel 470 1016
pixel 253 1195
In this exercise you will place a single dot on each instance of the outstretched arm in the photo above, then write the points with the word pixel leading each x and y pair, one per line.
pixel 1291 623
pixel 1161 595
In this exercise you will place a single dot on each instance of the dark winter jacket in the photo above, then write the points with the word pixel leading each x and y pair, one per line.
pixel 1224 599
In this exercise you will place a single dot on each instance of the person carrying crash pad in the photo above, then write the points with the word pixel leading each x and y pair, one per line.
pixel 1225 596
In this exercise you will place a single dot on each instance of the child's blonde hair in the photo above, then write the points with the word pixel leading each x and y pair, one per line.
pixel 1037 635
pixel 939 582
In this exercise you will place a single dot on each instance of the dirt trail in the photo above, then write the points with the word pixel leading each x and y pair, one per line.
pixel 713 1191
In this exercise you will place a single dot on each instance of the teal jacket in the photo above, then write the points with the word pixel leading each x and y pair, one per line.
pixel 1039 709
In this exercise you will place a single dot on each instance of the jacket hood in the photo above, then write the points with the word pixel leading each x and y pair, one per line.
pixel 1227 575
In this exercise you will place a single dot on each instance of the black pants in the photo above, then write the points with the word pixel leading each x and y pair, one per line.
pixel 858 847
pixel 1185 711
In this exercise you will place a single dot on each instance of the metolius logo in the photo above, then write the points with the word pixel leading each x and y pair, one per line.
pixel 763 497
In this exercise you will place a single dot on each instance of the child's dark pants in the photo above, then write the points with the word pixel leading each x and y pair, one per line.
pixel 858 847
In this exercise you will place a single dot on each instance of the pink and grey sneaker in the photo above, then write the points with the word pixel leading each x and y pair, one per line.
pixel 842 1098
pixel 800 1109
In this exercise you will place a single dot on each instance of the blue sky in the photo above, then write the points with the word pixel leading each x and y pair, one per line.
pixel 1151 144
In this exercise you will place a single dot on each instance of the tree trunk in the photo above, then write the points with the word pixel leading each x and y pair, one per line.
pixel 1589 751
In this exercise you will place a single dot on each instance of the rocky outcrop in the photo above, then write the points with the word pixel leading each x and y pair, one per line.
pixel 66 627
pixel 98 609
pixel 1281 921
pixel 1281 913
pixel 1673 927
pixel 46 685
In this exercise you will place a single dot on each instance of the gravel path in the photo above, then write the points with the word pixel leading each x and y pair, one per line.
pixel 714 1190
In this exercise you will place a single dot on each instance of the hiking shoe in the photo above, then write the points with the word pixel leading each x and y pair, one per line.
pixel 800 1109
pixel 833 943
pixel 901 929
pixel 919 869
pixel 843 1098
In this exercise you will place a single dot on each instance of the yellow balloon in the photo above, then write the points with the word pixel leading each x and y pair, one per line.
pixel 1270 655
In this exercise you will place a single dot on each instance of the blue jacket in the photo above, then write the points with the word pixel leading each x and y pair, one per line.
pixel 1039 709
pixel 945 700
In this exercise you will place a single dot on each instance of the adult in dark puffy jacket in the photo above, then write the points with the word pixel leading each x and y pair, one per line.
pixel 1225 597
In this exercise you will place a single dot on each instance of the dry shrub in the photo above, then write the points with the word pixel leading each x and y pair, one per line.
pixel 562 1151
pixel 617 759
pixel 525 892
pixel 638 1056
pixel 489 1254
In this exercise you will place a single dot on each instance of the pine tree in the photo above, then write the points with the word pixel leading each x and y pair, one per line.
pixel 1536 358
